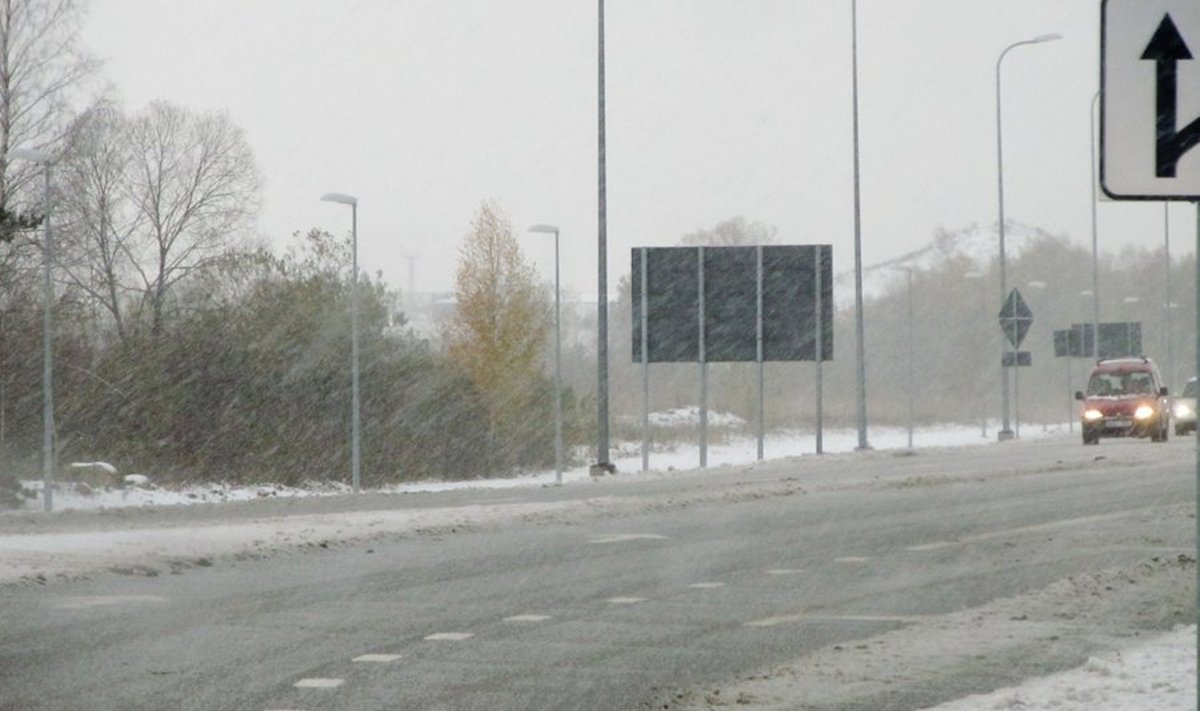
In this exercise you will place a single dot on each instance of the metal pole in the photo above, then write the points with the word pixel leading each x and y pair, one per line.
pixel 1095 353
pixel 910 358
pixel 47 357
pixel 1005 426
pixel 758 338
pixel 1196 436
pixel 355 447
pixel 558 416
pixel 859 350
pixel 602 463
pixel 645 366
pixel 820 352
pixel 1005 431
pixel 1070 396
pixel 1167 289
pixel 703 366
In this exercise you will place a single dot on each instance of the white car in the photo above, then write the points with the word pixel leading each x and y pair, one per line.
pixel 1183 409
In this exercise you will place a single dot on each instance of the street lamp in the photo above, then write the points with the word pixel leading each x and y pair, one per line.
pixel 859 347
pixel 355 449
pixel 558 438
pixel 1005 432
pixel 38 156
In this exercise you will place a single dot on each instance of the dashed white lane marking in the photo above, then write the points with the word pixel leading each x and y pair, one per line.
pixel 802 617
pixel 527 618
pixel 706 586
pixel 626 537
pixel 379 658
pixel 625 600
pixel 854 559
pixel 783 571
pixel 80 603
pixel 449 637
pixel 936 545
pixel 319 683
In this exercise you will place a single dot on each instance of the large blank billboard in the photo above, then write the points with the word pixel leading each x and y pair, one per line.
pixel 730 277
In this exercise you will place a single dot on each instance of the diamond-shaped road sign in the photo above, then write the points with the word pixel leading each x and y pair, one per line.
pixel 1015 318
pixel 1150 99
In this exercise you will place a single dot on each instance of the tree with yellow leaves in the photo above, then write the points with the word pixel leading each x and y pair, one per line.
pixel 498 335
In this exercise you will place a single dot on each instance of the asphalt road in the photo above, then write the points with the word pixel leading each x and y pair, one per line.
pixel 700 578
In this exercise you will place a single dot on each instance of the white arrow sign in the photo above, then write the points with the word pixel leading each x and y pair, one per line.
pixel 1150 99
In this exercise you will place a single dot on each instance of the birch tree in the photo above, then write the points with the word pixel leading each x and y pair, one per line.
pixel 499 330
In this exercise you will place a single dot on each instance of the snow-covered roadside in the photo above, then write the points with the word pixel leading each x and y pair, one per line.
pixel 1108 610
pixel 627 458
pixel 1154 675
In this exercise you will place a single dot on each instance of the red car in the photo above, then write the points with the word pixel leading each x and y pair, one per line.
pixel 1125 397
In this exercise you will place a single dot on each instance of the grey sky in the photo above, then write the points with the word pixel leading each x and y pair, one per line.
pixel 716 108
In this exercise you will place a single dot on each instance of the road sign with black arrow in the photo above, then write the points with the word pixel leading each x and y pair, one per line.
pixel 1150 86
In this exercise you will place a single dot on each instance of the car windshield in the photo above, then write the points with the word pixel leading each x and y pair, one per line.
pixel 1191 388
pixel 1121 383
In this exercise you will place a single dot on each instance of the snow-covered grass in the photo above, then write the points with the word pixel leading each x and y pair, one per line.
pixel 625 455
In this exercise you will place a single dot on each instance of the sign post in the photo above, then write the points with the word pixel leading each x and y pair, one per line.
pixel 1015 320
pixel 1147 75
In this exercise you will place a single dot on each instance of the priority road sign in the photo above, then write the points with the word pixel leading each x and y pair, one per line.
pixel 1150 99
pixel 1015 318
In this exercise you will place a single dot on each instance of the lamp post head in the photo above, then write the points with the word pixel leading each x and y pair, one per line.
pixel 340 198
pixel 1049 37
pixel 30 154
pixel 545 229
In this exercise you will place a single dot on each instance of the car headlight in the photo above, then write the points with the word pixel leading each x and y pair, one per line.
pixel 1182 410
pixel 1091 415
pixel 1144 412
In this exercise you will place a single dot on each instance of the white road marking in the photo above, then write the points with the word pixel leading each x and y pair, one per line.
pixel 449 636
pixel 783 571
pixel 706 586
pixel 527 618
pixel 319 683
pixel 80 603
pixel 625 600
pixel 380 658
pixel 979 537
pixel 854 559
pixel 626 537
pixel 801 617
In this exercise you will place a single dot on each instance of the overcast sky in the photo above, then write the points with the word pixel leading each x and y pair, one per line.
pixel 716 108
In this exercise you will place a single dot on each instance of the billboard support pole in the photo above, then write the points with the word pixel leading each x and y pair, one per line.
pixel 758 337
pixel 703 368
pixel 645 367
pixel 820 355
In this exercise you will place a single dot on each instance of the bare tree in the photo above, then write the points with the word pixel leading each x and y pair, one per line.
pixel 98 221
pixel 43 71
pixel 193 185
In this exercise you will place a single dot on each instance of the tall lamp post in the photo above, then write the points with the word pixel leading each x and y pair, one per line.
pixel 859 348
pixel 43 157
pixel 1006 432
pixel 558 426
pixel 355 438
